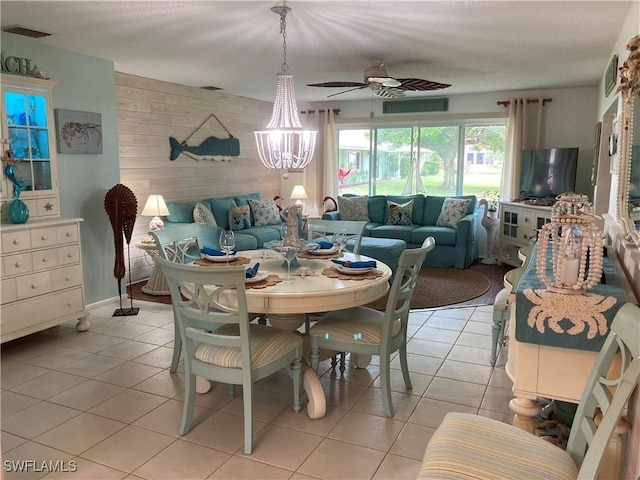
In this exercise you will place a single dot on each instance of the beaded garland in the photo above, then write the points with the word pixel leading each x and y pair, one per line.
pixel 574 237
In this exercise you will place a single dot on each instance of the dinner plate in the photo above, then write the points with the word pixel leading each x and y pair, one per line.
pixel 324 251
pixel 353 271
pixel 219 258
pixel 261 275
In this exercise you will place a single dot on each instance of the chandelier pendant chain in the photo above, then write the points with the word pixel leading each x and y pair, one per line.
pixel 283 30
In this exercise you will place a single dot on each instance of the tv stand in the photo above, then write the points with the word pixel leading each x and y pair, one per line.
pixel 519 225
pixel 541 202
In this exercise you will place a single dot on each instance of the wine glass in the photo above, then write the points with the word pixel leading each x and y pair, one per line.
pixel 227 242
pixel 289 253
pixel 339 239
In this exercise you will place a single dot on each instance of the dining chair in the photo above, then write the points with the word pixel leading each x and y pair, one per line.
pixel 471 446
pixel 219 342
pixel 366 331
pixel 323 229
pixel 180 244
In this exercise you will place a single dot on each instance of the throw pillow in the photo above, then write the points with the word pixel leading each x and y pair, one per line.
pixel 265 212
pixel 453 209
pixel 239 217
pixel 400 213
pixel 203 216
pixel 354 208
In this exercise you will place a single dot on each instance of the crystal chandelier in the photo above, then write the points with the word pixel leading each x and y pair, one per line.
pixel 284 144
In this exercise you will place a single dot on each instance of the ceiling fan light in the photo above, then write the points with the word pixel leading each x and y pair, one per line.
pixel 385 81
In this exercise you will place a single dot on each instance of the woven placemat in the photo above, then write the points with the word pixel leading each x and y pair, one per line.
pixel 232 263
pixel 319 257
pixel 333 272
pixel 267 282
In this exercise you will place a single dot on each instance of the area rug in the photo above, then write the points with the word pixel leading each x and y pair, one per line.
pixel 437 287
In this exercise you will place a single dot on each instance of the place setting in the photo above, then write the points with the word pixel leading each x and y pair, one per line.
pixel 256 278
pixel 353 270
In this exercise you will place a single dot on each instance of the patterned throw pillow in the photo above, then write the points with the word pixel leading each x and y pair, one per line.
pixel 239 217
pixel 453 209
pixel 203 216
pixel 265 212
pixel 354 208
pixel 400 213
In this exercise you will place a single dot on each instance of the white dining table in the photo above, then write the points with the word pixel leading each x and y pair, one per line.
pixel 286 303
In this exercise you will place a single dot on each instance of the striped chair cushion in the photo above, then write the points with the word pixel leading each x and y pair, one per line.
pixel 267 344
pixel 342 325
pixel 467 446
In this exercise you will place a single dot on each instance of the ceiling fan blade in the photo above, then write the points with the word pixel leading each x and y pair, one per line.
pixel 418 84
pixel 338 84
pixel 347 91
pixel 390 92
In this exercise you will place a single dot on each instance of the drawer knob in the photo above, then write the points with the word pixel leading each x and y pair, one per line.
pixel 43 237
pixel 67 278
pixel 69 234
pixel 70 255
pixel 45 259
pixel 34 286
pixel 18 264
pixel 16 241
pixel 69 304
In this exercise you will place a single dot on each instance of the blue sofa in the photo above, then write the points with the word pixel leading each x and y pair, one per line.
pixel 455 247
pixel 246 239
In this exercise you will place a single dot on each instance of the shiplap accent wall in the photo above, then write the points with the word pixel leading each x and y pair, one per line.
pixel 151 111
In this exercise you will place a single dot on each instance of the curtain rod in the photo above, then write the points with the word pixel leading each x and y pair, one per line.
pixel 506 103
pixel 336 111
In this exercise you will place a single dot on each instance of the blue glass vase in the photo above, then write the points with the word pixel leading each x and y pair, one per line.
pixel 18 211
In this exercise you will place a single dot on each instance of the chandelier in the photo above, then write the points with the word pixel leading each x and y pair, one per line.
pixel 284 144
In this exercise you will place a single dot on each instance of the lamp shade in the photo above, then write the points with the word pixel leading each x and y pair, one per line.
pixel 155 207
pixel 299 192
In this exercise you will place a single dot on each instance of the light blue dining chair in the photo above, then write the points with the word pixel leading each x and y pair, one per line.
pixel 366 331
pixel 219 342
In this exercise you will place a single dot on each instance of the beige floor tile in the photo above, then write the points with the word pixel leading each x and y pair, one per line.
pixel 80 433
pixel 128 330
pixel 480 328
pixel 335 460
pixel 13 403
pixel 182 460
pixel 419 382
pixel 159 357
pixel 92 366
pixel 245 468
pixel 48 385
pixel 20 373
pixel 128 448
pixel 447 323
pixel 128 350
pixel 128 374
pixel 128 406
pixel 301 421
pixel 499 378
pixel 25 348
pixel 475 340
pixel 37 419
pixel 340 393
pixel 437 334
pixel 371 402
pixel 361 376
pixel 470 354
pixel 483 315
pixel 154 319
pixel 422 364
pixel 58 357
pixel 37 455
pixel 501 417
pixel 462 313
pixel 419 346
pixel 430 412
pixel 465 372
pixel 497 399
pixel 87 470
pixel 158 336
pixel 165 383
pixel 222 431
pixel 266 405
pixel 8 441
pixel 283 447
pixel 87 395
pixel 412 441
pixel 464 393
pixel 395 467
pixel 88 341
pixel 167 418
pixel 372 431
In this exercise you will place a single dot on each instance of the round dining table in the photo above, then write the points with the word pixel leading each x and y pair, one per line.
pixel 315 287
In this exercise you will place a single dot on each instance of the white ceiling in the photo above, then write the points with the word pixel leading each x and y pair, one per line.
pixel 475 45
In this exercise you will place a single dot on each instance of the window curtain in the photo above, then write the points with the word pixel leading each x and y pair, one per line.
pixel 524 130
pixel 321 178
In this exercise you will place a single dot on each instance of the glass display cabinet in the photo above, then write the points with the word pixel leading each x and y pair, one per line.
pixel 28 140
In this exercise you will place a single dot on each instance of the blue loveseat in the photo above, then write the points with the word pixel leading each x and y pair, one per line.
pixel 246 239
pixel 455 247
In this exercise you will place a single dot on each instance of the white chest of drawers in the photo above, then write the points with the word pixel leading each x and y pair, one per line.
pixel 41 269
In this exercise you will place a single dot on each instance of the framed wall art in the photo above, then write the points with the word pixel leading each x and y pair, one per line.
pixel 78 132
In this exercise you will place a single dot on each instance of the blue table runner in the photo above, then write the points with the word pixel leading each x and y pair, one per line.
pixel 579 321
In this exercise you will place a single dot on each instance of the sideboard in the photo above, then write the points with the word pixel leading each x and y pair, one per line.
pixel 519 225
pixel 42 284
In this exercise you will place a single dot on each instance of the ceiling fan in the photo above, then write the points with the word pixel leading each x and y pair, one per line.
pixel 378 80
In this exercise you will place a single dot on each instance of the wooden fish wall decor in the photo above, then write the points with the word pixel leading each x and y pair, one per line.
pixel 213 148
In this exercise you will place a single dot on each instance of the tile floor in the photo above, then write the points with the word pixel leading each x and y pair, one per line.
pixel 104 404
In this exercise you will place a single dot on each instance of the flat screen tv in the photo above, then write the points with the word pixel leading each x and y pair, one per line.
pixel 548 172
